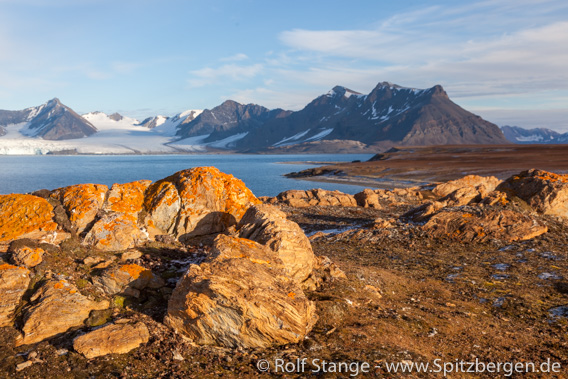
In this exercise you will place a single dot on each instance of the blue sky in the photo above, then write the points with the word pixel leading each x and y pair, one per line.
pixel 506 60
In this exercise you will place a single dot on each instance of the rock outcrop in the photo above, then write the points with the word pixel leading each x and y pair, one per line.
pixel 14 281
pixel 545 192
pixel 56 307
pixel 483 184
pixel 269 226
pixel 128 279
pixel 24 255
pixel 470 224
pixel 115 231
pixel 247 293
pixel 82 202
pixel 300 198
pixel 242 297
pixel 209 202
pixel 25 216
pixel 112 339
pixel 127 198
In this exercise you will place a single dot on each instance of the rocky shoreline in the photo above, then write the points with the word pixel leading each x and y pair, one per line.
pixel 194 276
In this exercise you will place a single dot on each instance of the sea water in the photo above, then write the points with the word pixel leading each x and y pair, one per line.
pixel 263 174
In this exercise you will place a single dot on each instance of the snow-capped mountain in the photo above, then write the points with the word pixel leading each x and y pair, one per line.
pixel 339 120
pixel 50 121
pixel 389 114
pixel 224 125
pixel 517 134
pixel 170 125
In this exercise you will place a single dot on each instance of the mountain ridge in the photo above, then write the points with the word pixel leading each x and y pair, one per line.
pixel 389 115
pixel 516 134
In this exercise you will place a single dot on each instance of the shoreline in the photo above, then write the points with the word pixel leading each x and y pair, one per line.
pixel 366 182
pixel 404 167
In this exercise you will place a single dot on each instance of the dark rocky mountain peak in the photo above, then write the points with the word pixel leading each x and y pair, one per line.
pixel 227 119
pixel 55 121
pixel 116 116
pixel 389 114
pixel 517 134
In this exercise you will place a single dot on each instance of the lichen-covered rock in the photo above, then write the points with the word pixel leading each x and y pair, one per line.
pixel 269 226
pixel 368 199
pixel 379 198
pixel 210 202
pixel 162 204
pixel 14 282
pixel 483 184
pixel 25 216
pixel 299 198
pixel 112 339
pixel 81 203
pixel 545 192
pixel 468 224
pixel 28 256
pixel 424 211
pixel 128 276
pixel 114 232
pixel 56 307
pixel 126 198
pixel 241 297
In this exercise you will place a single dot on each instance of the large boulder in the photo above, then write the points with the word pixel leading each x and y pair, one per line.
pixel 14 281
pixel 240 297
pixel 162 204
pixel 368 199
pixel 126 198
pixel 468 224
pixel 25 216
pixel 55 308
pixel 378 198
pixel 82 202
pixel 209 202
pixel 545 192
pixel 24 255
pixel 115 231
pixel 112 339
pixel 269 226
pixel 300 198
pixel 127 278
pixel 482 184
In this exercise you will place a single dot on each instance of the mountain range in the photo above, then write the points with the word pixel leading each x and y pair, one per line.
pixel 517 134
pixel 341 120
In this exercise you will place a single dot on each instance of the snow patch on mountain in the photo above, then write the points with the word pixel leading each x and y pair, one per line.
pixel 320 135
pixel 229 142
pixel 292 139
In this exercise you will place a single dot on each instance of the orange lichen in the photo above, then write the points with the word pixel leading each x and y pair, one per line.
pixel 81 202
pixel 24 214
pixel 6 266
pixel 127 197
pixel 292 295
pixel 135 271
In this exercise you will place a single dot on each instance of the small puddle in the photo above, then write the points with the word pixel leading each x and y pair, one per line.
pixel 559 312
pixel 549 275
pixel 500 276
pixel 498 302
pixel 501 266
pixel 450 278
pixel 549 255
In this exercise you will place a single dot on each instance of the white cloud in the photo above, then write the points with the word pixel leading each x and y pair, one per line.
pixel 210 75
pixel 485 49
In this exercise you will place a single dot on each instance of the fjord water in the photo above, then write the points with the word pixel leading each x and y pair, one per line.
pixel 263 174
